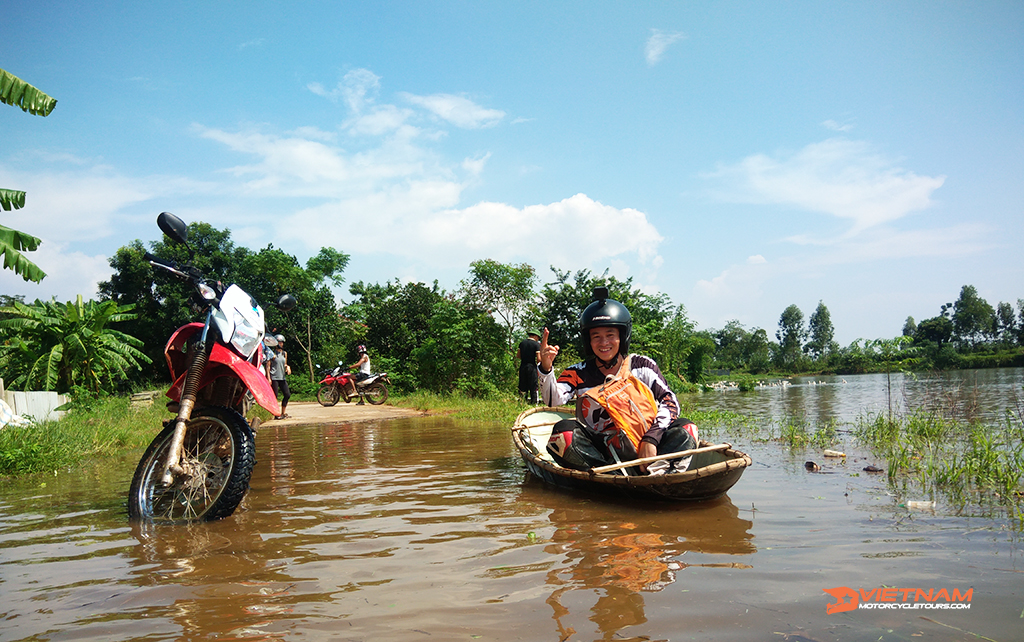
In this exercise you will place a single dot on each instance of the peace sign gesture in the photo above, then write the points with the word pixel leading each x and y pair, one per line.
pixel 547 352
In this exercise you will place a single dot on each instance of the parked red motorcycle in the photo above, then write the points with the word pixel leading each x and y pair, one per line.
pixel 335 384
pixel 198 467
pixel 338 384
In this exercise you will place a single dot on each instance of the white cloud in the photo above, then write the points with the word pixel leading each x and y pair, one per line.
pixel 79 205
pixel 658 43
pixel 837 127
pixel 258 42
pixel 358 88
pixel 381 120
pixel 847 179
pixel 421 221
pixel 457 110
pixel 475 166
pixel 374 188
pixel 69 273
pixel 757 278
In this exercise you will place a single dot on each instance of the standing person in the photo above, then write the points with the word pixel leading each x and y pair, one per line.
pixel 364 370
pixel 277 369
pixel 528 354
pixel 600 428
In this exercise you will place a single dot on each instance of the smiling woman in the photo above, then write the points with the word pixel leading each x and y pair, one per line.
pixel 624 408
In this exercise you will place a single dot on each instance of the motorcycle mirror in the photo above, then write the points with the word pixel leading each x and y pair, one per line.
pixel 173 227
pixel 286 302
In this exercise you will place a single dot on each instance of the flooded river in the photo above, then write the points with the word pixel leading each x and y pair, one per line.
pixel 430 529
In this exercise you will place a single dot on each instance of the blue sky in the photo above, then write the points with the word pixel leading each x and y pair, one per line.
pixel 737 156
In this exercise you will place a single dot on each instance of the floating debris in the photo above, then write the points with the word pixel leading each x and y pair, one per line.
pixel 873 469
pixel 811 466
pixel 834 453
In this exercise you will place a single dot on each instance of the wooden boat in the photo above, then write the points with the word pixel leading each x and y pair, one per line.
pixel 712 471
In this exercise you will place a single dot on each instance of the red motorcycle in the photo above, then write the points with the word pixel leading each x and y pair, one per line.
pixel 338 384
pixel 335 384
pixel 198 467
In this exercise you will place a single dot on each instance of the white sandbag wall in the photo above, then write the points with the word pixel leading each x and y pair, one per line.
pixel 39 405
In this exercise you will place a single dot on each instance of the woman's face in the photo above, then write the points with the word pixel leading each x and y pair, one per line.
pixel 605 343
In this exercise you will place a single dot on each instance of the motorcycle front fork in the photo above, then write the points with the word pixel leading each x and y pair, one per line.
pixel 189 393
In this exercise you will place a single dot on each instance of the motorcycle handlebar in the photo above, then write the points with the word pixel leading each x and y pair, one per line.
pixel 170 266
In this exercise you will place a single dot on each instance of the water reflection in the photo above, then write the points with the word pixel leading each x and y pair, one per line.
pixel 619 552
pixel 431 527
pixel 973 394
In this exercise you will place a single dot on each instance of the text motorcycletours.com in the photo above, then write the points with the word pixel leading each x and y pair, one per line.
pixel 885 598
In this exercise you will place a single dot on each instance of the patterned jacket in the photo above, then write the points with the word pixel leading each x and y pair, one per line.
pixel 578 378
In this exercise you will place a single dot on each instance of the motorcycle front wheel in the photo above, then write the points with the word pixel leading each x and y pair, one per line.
pixel 328 395
pixel 376 393
pixel 218 455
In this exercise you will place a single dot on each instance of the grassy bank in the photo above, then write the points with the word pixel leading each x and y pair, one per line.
pixel 502 409
pixel 94 430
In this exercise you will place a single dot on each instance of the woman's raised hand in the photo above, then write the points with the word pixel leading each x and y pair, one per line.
pixel 547 352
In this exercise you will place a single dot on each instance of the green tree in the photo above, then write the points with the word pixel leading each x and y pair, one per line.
pixel 397 317
pixel 1006 324
pixel 729 345
pixel 675 346
pixel 909 327
pixel 973 317
pixel 563 300
pixel 937 330
pixel 55 346
pixel 505 290
pixel 464 350
pixel 313 327
pixel 821 343
pixel 16 92
pixel 1020 322
pixel 790 335
pixel 163 302
pixel 700 348
pixel 756 351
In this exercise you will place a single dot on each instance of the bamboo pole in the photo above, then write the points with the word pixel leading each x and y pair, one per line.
pixel 648 460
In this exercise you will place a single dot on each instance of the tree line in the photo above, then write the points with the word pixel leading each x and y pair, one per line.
pixel 460 340
pixel 967 333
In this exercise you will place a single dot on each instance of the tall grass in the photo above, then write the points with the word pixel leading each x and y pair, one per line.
pixel 963 459
pixel 96 429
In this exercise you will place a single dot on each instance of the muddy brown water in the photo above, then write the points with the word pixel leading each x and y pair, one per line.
pixel 430 529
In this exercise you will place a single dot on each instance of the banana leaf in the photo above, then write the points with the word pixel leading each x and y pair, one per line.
pixel 17 92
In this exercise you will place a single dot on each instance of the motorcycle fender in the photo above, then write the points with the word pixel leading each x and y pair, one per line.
pixel 176 350
pixel 253 378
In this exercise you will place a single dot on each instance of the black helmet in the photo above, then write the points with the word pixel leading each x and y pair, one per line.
pixel 605 313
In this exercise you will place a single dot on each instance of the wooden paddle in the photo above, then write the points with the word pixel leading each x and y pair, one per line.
pixel 648 460
pixel 525 427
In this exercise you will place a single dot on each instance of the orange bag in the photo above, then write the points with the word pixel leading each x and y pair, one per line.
pixel 629 401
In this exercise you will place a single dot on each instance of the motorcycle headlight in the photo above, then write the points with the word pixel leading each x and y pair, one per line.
pixel 246 337
pixel 207 292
